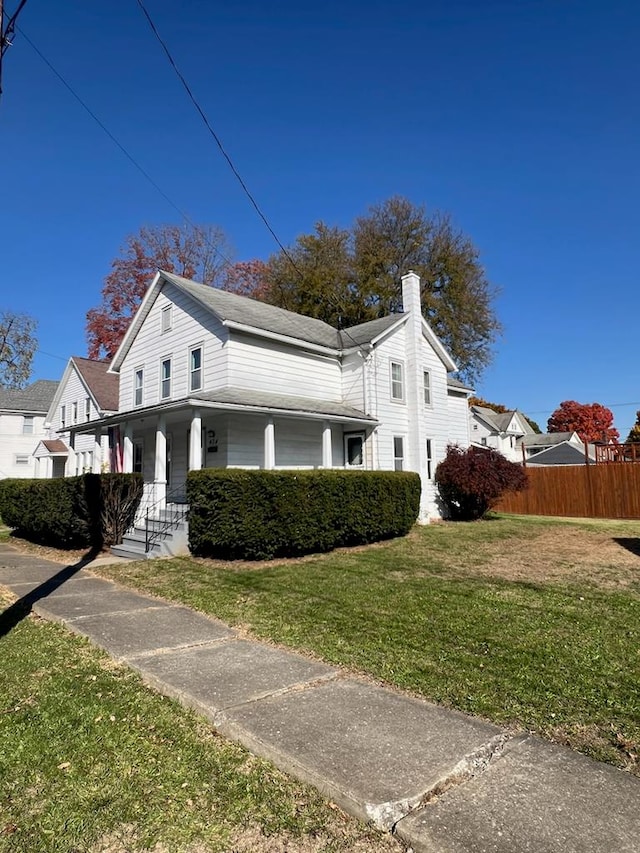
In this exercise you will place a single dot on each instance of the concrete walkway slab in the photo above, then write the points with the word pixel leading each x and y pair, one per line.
pixel 80 605
pixel 29 572
pixel 534 798
pixel 125 635
pixel 80 582
pixel 212 678
pixel 374 751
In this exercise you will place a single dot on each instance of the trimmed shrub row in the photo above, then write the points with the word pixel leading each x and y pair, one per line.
pixel 71 512
pixel 257 515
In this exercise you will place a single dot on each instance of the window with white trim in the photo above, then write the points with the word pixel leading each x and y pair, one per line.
pixel 398 453
pixel 165 379
pixel 354 449
pixel 397 381
pixel 22 459
pixel 63 416
pixel 166 319
pixel 74 412
pixel 27 425
pixel 138 383
pixel 426 384
pixel 195 368
pixel 87 409
pixel 429 459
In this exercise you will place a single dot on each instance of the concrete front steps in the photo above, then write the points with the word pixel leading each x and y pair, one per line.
pixel 168 541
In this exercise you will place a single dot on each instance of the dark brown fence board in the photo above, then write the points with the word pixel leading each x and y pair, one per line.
pixel 581 491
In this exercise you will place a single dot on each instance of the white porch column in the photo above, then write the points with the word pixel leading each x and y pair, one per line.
pixel 195 442
pixel 160 477
pixel 127 453
pixel 269 445
pixel 97 451
pixel 327 445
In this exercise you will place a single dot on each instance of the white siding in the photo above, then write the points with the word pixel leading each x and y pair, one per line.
pixel 352 381
pixel 191 325
pixel 265 365
pixel 13 442
pixel 458 407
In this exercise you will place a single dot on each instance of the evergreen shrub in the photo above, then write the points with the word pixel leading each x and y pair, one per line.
pixel 67 512
pixel 257 515
pixel 471 481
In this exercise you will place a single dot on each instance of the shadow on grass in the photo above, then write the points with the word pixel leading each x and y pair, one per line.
pixel 20 609
pixel 631 543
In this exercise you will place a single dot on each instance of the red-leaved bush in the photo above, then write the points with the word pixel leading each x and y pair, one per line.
pixel 471 481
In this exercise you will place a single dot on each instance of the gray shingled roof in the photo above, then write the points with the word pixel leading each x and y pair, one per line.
pixel 456 383
pixel 548 439
pixel 103 385
pixel 563 453
pixel 34 398
pixel 364 333
pixel 259 315
pixel 280 402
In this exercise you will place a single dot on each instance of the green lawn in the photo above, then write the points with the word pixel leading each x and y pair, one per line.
pixel 533 623
pixel 93 762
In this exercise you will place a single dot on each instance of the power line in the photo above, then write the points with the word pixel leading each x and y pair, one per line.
pixel 7 32
pixel 214 134
pixel 126 153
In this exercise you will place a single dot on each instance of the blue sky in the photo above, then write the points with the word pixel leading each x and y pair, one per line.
pixel 519 117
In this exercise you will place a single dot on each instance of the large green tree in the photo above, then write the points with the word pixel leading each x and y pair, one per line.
pixel 348 275
pixel 634 432
pixel 18 344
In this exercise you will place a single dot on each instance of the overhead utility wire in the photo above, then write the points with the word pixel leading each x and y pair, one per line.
pixel 129 156
pixel 7 32
pixel 214 134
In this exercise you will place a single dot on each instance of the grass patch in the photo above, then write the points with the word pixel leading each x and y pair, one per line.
pixel 92 761
pixel 527 622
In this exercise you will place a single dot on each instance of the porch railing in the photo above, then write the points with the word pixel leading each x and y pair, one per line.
pixel 161 514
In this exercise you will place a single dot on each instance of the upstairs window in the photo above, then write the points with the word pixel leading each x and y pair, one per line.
pixel 74 413
pixel 63 416
pixel 426 384
pixel 195 369
pixel 166 319
pixel 398 453
pixel 138 382
pixel 397 381
pixel 27 425
pixel 87 409
pixel 165 379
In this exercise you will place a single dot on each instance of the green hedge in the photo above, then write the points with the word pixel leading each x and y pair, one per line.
pixel 68 512
pixel 257 515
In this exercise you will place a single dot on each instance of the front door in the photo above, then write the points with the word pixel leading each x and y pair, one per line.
pixel 59 464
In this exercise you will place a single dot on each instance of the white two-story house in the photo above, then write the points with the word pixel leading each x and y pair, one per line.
pixel 23 417
pixel 84 396
pixel 501 431
pixel 210 379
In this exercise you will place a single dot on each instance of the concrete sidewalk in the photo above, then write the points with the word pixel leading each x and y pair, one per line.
pixel 441 781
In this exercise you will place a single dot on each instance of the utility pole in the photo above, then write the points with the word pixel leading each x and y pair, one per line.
pixel 6 32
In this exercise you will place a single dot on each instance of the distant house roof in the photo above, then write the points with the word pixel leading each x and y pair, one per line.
pixel 563 453
pixel 103 385
pixel 34 398
pixel 547 439
pixel 499 421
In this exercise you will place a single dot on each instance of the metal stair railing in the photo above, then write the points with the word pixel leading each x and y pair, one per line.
pixel 156 527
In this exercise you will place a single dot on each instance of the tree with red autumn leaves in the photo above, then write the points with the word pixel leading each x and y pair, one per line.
pixel 196 252
pixel 592 421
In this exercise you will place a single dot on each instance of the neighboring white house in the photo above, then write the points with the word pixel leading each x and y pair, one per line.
pixel 210 379
pixel 22 424
pixel 500 431
pixel 85 394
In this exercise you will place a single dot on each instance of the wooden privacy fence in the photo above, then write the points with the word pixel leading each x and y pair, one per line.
pixel 583 491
